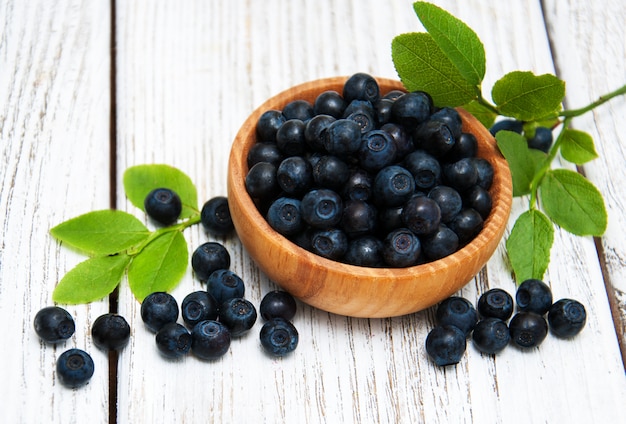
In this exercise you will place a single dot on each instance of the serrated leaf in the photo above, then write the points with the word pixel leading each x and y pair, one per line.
pixel 140 180
pixel 577 146
pixel 103 232
pixel 456 40
pixel 523 162
pixel 528 246
pixel 91 280
pixel 485 115
pixel 573 202
pixel 159 266
pixel 527 97
pixel 421 65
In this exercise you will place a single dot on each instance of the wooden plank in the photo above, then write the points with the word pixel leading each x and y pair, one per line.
pixel 594 64
pixel 188 76
pixel 54 143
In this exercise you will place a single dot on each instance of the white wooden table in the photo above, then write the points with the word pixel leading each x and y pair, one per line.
pixel 89 88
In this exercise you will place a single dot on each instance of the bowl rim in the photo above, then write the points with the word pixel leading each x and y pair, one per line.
pixel 494 225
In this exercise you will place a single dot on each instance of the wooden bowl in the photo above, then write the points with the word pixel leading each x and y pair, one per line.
pixel 353 290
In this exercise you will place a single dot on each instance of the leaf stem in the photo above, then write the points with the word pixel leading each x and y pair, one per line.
pixel 480 99
pixel 545 166
pixel 601 100
pixel 135 250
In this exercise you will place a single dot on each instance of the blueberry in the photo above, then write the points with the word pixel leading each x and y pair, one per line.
pixel 331 172
pixel 278 304
pixel 75 368
pixel 215 216
pixel 534 296
pixel 209 257
pixel 331 243
pixel 158 309
pixel 466 146
pixel 173 340
pixel 393 186
pixel 377 150
pixel 199 306
pixel 163 205
pixel 279 337
pixel 264 152
pixel 315 131
pixel 54 324
pixel 421 215
pixel 508 125
pixel 484 172
pixel 361 86
pixel 268 124
pixel 343 137
pixel 322 208
pixel 358 186
pixel 110 332
pixel 393 95
pixel 383 111
pixel 224 284
pixel 261 181
pixel 210 339
pixel 290 137
pixel 445 345
pixel 449 201
pixel 365 119
pixel 295 175
pixel 424 167
pixel 411 109
pixel 365 251
pixel 435 137
pixel 389 219
pixel 461 174
pixel 478 199
pixel 329 103
pixel 466 224
pixel 285 216
pixel 441 243
pixel 491 335
pixel 298 109
pixel 459 312
pixel 401 138
pixel 567 317
pixel 495 303
pixel 238 314
pixel 528 329
pixel 359 218
pixel 401 248
pixel 541 140
pixel 451 118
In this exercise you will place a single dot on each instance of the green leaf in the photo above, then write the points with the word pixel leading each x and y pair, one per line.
pixel 91 280
pixel 140 180
pixel 523 162
pixel 577 146
pixel 421 65
pixel 573 202
pixel 456 40
pixel 485 115
pixel 528 97
pixel 528 246
pixel 159 266
pixel 103 232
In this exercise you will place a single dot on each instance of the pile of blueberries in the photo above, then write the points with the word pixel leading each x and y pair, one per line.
pixel 490 328
pixel 369 179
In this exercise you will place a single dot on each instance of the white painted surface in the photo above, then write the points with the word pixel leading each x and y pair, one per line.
pixel 188 74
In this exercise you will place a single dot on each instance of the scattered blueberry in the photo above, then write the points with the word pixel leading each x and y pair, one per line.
pixel 215 216
pixel 495 303
pixel 210 339
pixel 158 309
pixel 534 296
pixel 528 329
pixel 163 205
pixel 278 304
pixel 459 312
pixel 567 317
pixel 209 257
pixel 75 368
pixel 54 324
pixel 491 335
pixel 110 332
pixel 238 314
pixel 541 140
pixel 199 306
pixel 173 340
pixel 445 345
pixel 224 284
pixel 279 337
